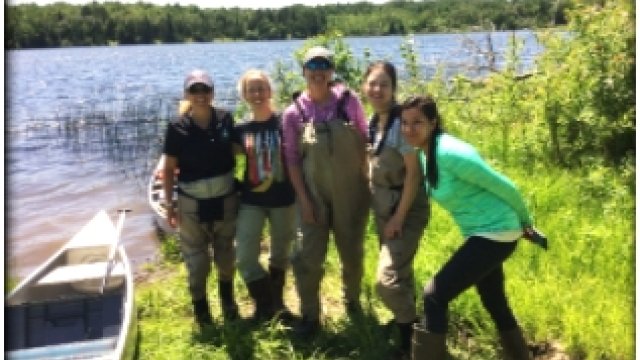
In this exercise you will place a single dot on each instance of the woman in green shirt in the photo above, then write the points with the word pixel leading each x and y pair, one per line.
pixel 491 215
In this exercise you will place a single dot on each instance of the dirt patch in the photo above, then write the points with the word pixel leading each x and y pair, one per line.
pixel 153 274
pixel 548 350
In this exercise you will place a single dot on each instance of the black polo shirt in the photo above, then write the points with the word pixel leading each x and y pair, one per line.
pixel 201 153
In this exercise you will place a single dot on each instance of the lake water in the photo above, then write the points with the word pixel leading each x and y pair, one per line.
pixel 83 125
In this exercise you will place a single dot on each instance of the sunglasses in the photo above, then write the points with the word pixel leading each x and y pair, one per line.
pixel 318 65
pixel 199 89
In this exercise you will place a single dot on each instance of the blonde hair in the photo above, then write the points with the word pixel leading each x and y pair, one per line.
pixel 252 74
pixel 184 107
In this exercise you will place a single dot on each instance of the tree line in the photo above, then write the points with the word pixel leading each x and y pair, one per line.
pixel 62 24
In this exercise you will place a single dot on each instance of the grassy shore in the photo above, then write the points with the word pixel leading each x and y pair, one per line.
pixel 574 301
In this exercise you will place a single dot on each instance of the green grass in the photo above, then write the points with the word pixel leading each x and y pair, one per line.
pixel 553 134
pixel 579 294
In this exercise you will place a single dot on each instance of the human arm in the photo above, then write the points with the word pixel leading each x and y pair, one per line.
pixel 168 181
pixel 393 227
pixel 236 139
pixel 355 111
pixel 463 161
pixel 291 121
pixel 307 208
pixel 158 172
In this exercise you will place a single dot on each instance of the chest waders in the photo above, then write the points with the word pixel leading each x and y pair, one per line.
pixel 387 180
pixel 333 167
pixel 395 282
pixel 208 210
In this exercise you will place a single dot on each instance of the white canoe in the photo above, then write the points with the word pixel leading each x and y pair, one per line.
pixel 62 310
pixel 156 198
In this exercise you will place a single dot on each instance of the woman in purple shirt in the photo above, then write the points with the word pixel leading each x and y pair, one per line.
pixel 325 134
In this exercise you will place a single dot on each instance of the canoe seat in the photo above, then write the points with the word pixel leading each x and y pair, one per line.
pixel 73 350
pixel 81 272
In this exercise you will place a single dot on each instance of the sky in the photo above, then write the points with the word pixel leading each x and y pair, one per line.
pixel 254 4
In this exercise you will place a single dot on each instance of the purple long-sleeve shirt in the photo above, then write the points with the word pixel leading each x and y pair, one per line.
pixel 292 120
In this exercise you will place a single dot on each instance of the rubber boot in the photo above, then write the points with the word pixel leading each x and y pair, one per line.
pixel 277 277
pixel 306 328
pixel 227 300
pixel 513 345
pixel 405 332
pixel 260 292
pixel 428 346
pixel 201 312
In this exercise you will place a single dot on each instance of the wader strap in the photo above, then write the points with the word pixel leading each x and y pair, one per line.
pixel 373 126
pixel 296 95
pixel 341 112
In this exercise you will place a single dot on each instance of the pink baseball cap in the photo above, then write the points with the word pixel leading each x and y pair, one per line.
pixel 198 77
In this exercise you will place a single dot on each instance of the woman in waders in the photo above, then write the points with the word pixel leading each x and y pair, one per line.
pixel 266 193
pixel 199 143
pixel 491 215
pixel 325 143
pixel 399 201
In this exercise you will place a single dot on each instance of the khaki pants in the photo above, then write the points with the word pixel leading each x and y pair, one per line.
pixel 196 239
pixel 334 168
pixel 282 230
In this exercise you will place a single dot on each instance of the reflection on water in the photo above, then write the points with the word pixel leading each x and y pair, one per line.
pixel 84 126
pixel 66 169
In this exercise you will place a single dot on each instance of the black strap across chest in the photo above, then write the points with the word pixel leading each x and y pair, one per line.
pixel 373 128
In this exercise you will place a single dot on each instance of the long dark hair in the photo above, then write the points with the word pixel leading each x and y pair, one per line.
pixel 427 105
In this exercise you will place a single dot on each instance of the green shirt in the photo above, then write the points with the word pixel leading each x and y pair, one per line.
pixel 479 199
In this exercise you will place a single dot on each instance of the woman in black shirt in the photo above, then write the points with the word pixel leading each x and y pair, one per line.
pixel 199 143
pixel 266 194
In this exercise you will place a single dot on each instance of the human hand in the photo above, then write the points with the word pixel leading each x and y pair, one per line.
pixel 158 173
pixel 172 217
pixel 393 228
pixel 308 212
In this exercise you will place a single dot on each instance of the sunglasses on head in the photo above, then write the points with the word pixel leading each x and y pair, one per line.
pixel 318 64
pixel 199 89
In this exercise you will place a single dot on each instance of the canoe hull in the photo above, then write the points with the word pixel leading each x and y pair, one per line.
pixel 62 309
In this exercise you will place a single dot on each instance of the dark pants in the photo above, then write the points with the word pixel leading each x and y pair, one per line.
pixel 477 262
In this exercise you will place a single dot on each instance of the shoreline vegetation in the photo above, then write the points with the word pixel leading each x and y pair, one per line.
pixel 565 134
pixel 114 23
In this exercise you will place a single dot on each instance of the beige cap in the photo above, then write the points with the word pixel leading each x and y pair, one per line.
pixel 318 52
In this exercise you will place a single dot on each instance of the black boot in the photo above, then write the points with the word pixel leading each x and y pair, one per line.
pixel 402 351
pixel 260 291
pixel 277 277
pixel 227 300
pixel 201 312
pixel 354 309
pixel 405 330
pixel 428 346
pixel 306 328
pixel 513 345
